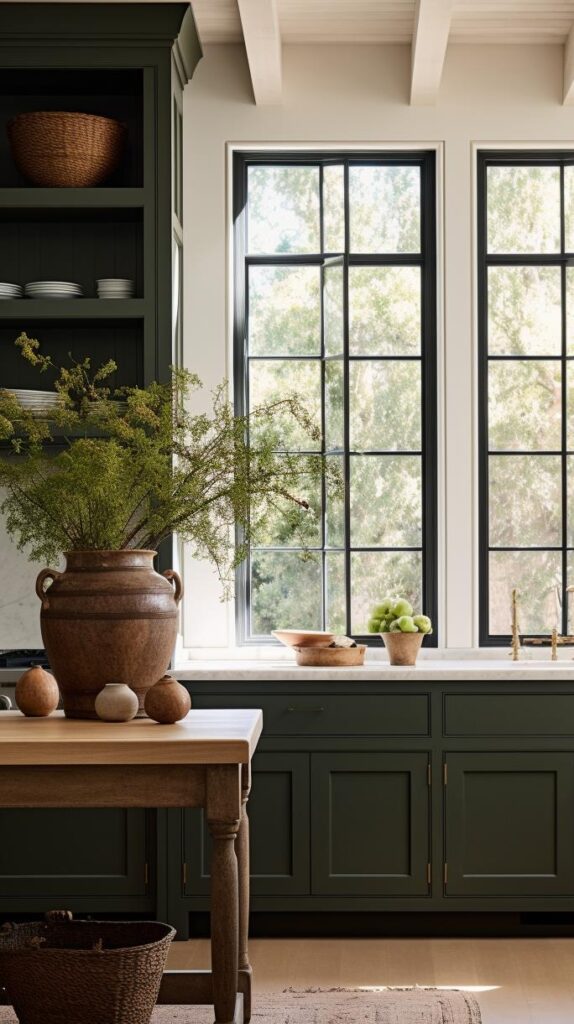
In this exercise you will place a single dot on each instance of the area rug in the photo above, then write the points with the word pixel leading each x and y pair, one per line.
pixel 335 1006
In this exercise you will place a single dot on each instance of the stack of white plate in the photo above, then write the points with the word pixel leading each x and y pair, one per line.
pixel 115 288
pixel 53 290
pixel 10 291
pixel 119 407
pixel 39 403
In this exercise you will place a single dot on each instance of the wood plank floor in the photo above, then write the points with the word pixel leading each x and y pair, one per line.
pixel 516 981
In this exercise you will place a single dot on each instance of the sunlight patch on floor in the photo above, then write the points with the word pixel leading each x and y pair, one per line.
pixel 449 988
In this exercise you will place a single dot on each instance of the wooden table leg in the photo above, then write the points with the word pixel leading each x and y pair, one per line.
pixel 223 815
pixel 242 849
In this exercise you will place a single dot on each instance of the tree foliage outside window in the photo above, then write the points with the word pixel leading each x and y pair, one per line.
pixel 526 340
pixel 335 301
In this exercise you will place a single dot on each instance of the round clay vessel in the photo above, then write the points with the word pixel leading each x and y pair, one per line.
pixel 108 618
pixel 116 703
pixel 168 701
pixel 37 693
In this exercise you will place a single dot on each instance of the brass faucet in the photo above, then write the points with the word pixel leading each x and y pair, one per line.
pixel 556 640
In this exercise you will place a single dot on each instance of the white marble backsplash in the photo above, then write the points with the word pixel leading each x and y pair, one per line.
pixel 19 606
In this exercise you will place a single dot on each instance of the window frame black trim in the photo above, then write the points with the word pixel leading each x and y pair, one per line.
pixel 427 260
pixel 512 158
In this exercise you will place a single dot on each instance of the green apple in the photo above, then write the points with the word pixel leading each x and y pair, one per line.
pixel 374 625
pixel 383 610
pixel 402 607
pixel 394 626
pixel 423 622
pixel 406 624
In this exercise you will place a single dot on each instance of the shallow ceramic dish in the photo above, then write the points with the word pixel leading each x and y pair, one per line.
pixel 330 657
pixel 304 637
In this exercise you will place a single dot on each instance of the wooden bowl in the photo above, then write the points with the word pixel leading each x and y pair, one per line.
pixel 304 637
pixel 330 657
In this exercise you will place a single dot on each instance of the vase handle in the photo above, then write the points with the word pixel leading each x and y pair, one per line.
pixel 173 576
pixel 45 574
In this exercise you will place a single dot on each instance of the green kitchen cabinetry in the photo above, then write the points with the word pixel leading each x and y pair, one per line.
pixel 366 796
pixel 510 824
pixel 279 816
pixel 370 824
pixel 388 797
pixel 90 859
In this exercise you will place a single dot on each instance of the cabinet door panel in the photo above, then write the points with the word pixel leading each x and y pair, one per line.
pixel 278 810
pixel 510 824
pixel 370 824
pixel 84 852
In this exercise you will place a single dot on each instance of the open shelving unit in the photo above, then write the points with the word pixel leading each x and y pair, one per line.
pixel 121 60
pixel 116 60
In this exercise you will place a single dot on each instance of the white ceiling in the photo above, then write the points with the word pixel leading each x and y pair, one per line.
pixel 393 21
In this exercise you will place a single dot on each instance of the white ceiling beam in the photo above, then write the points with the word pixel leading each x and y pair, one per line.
pixel 569 69
pixel 262 38
pixel 430 39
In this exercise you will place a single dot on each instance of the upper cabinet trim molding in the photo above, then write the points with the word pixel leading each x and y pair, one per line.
pixel 120 24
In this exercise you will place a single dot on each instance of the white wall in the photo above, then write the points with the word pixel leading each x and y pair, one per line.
pixel 359 95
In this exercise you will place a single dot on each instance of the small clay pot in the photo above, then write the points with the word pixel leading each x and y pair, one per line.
pixel 116 703
pixel 167 701
pixel 403 648
pixel 37 693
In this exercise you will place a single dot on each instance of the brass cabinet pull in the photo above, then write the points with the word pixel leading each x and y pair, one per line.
pixel 308 707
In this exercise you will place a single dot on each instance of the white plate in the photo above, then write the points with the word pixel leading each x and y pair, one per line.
pixel 53 284
pixel 54 291
pixel 114 280
pixel 105 290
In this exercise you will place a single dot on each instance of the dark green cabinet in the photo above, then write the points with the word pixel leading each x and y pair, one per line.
pixel 58 854
pixel 510 824
pixel 278 815
pixel 370 824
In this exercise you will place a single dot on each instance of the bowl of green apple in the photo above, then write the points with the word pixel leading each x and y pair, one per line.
pixel 402 631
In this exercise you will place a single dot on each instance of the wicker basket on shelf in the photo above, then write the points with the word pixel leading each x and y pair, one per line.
pixel 56 149
pixel 83 972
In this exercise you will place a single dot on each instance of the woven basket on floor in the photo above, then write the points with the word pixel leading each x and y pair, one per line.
pixel 84 972
pixel 65 150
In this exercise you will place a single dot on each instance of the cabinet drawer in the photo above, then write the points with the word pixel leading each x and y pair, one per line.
pixel 507 714
pixel 317 714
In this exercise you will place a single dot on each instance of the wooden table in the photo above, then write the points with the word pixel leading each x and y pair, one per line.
pixel 203 761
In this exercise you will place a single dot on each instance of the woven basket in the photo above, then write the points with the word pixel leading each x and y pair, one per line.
pixel 64 150
pixel 83 972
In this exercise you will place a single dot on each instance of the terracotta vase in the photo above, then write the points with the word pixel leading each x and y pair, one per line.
pixel 116 703
pixel 403 648
pixel 168 701
pixel 108 618
pixel 37 693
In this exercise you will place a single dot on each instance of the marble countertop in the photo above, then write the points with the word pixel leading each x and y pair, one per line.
pixel 427 670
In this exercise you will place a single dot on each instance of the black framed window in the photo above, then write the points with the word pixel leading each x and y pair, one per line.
pixel 526 390
pixel 335 299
